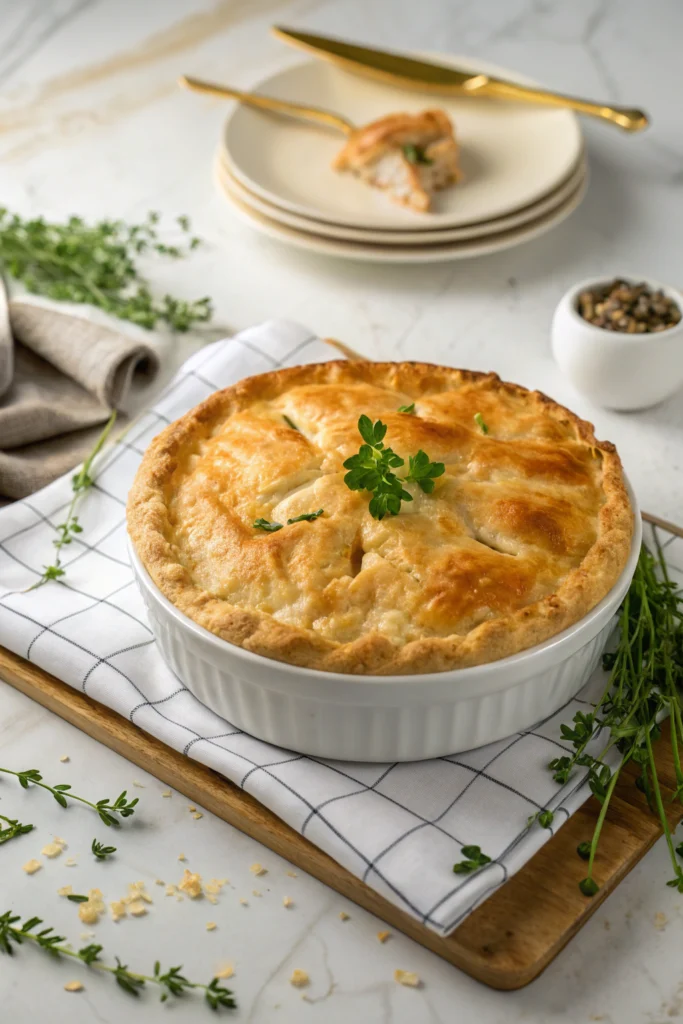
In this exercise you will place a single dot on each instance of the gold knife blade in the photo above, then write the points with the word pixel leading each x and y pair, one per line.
pixel 409 71
pixel 383 64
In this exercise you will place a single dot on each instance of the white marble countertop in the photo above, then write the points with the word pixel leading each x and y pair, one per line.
pixel 91 122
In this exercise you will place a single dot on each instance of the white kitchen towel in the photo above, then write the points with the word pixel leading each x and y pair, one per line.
pixel 399 827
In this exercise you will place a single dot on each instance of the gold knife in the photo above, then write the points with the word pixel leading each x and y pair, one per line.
pixel 419 74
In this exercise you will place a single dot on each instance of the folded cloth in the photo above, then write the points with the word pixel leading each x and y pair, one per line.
pixel 399 827
pixel 60 378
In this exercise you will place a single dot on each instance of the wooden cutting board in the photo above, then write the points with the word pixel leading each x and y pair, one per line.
pixel 505 943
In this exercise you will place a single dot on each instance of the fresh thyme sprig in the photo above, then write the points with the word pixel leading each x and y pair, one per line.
pixel 170 982
pixel 14 829
pixel 479 420
pixel 101 851
pixel 372 470
pixel 644 685
pixel 109 811
pixel 80 482
pixel 408 409
pixel 473 860
pixel 97 264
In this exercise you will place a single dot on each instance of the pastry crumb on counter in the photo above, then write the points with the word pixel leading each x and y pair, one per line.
pixel 211 926
pixel 287 902
pixel 167 793
pixel 343 916
pixel 292 874
pixel 408 978
pixel 191 884
pixel 383 936
pixel 54 849
pixel 660 921
pixel 258 869
pixel 89 912
pixel 117 909
pixel 245 903
pixel 66 890
pixel 137 908
pixel 73 986
pixel 197 815
pixel 138 785
pixel 225 972
pixel 70 862
pixel 299 979
pixel 64 758
pixel 31 866
pixel 181 856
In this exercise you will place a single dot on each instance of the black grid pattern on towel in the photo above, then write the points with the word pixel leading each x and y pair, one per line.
pixel 399 827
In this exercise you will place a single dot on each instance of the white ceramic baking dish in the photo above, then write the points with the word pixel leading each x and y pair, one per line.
pixel 382 718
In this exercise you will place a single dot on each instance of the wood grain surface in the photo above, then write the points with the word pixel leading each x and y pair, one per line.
pixel 505 943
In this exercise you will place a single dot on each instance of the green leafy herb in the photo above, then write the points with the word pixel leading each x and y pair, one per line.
pixel 479 420
pixel 372 470
pixel 101 851
pixel 473 859
pixel 422 472
pixel 80 482
pixel 415 154
pixel 14 829
pixel 265 524
pixel 109 811
pixel 307 517
pixel 75 898
pixel 646 670
pixel 290 423
pixel 544 818
pixel 171 982
pixel 98 264
pixel 410 409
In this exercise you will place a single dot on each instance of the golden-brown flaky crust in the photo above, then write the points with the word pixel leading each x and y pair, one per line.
pixel 556 488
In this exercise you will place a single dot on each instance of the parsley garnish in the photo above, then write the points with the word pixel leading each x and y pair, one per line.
pixel 371 470
pixel 75 898
pixel 474 859
pixel 410 409
pixel 415 154
pixel 306 517
pixel 265 524
pixel 479 420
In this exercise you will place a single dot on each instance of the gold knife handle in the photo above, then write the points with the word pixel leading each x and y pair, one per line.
pixel 631 120
pixel 315 114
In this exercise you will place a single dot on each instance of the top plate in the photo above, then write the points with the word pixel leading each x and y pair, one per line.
pixel 512 153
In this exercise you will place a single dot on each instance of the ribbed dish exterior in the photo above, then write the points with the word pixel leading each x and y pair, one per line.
pixel 353 731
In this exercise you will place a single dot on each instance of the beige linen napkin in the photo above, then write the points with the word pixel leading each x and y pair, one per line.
pixel 60 377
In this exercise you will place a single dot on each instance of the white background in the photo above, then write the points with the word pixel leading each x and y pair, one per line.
pixel 91 122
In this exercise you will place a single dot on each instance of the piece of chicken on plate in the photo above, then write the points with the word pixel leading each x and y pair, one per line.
pixel 410 155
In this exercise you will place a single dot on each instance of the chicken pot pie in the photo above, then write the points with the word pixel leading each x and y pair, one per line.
pixel 410 155
pixel 242 514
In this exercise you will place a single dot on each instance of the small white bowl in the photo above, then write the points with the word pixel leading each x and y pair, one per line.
pixel 613 369
pixel 382 718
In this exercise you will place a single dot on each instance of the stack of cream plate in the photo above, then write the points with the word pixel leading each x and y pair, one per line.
pixel 524 169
